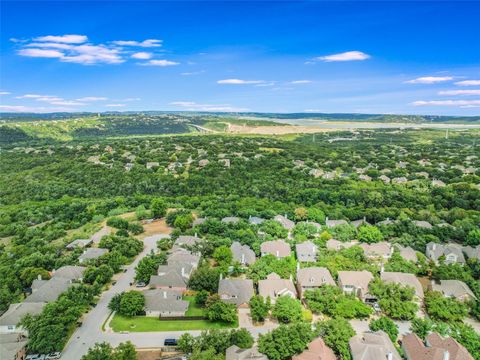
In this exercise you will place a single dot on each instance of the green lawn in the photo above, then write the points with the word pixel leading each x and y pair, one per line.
pixel 193 309
pixel 145 324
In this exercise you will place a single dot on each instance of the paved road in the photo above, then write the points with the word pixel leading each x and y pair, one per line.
pixel 90 332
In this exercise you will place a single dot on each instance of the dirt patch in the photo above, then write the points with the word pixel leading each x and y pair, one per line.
pixel 276 130
pixel 148 354
pixel 155 227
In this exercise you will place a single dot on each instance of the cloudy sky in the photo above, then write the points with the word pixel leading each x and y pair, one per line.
pixel 378 57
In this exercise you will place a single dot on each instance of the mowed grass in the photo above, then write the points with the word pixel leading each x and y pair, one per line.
pixel 193 308
pixel 149 324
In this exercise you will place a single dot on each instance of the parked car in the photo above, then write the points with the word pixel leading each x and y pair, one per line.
pixel 53 356
pixel 170 342
pixel 140 284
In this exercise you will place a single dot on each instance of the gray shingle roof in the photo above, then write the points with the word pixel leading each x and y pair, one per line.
pixel 236 291
pixel 165 301
pixel 50 291
pixel 306 251
pixel 17 311
pixel 453 288
pixel 92 253
pixel 314 276
pixel 372 346
pixel 285 222
pixel 242 253
pixel 278 248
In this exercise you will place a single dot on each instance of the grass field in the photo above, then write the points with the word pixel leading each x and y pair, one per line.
pixel 149 324
pixel 193 309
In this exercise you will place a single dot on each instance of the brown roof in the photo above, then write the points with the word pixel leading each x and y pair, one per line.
pixel 403 279
pixel 317 350
pixel 435 348
pixel 278 248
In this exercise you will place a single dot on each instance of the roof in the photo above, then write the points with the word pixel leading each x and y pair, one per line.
pixel 187 240
pixel 238 291
pixel 79 243
pixel 306 251
pixel 403 279
pixel 422 224
pixel 314 276
pixel 242 253
pixel 382 248
pixel 333 244
pixel 174 275
pixel 92 253
pixel 407 253
pixel 317 350
pixel 231 220
pixel 50 291
pixel 165 300
pixel 9 350
pixel 198 221
pixel 235 353
pixel 358 279
pixel 285 222
pixel 255 220
pixel 69 272
pixel 333 223
pixel 17 311
pixel 277 248
pixel 453 288
pixel 275 286
pixel 472 252
pixel 183 256
pixel 360 222
pixel 435 250
pixel 416 349
pixel 372 345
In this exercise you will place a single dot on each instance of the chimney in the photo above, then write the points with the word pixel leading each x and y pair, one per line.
pixel 278 253
pixel 221 276
pixel 243 259
pixel 390 356
pixel 39 277
pixel 195 234
pixel 286 217
pixel 446 355
pixel 183 272
pixel 164 294
pixel 382 269
pixel 326 219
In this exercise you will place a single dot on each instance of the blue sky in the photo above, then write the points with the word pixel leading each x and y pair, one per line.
pixel 373 57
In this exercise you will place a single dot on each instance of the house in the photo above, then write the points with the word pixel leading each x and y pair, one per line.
pixel 355 282
pixel 185 241
pixel 333 223
pixel 403 279
pixel 382 249
pixel 306 251
pixel 385 222
pixel 254 220
pixel 91 254
pixel 69 272
pixel 438 183
pixel 373 346
pixel 452 253
pixel 285 222
pixel 434 348
pixel 236 353
pixel 277 248
pixel 317 350
pixel 172 277
pixel 183 256
pixel 333 244
pixel 164 303
pixel 360 222
pixel 198 221
pixel 274 286
pixel 13 347
pixel 364 177
pixel 455 289
pixel 236 291
pixel 407 253
pixel 242 253
pixel 472 252
pixel 81 243
pixel 312 278
pixel 10 318
pixel 203 162
pixel 384 178
pixel 422 224
pixel 152 164
pixel 231 220
pixel 49 291
pixel 399 180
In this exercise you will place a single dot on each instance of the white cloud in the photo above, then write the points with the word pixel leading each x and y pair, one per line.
pixel 429 80
pixel 37 97
pixel 468 83
pixel 160 63
pixel 42 53
pixel 67 103
pixel 51 45
pixel 461 103
pixel 92 98
pixel 193 106
pixel 93 54
pixel 192 73
pixel 142 55
pixel 69 39
pixel 21 108
pixel 239 82
pixel 115 105
pixel 4 93
pixel 345 56
pixel 301 82
pixel 131 99
pixel 146 43
pixel 459 92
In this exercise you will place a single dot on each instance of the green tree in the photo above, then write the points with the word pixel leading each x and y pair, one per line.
pixel 473 238
pixel 223 255
pixel 242 338
pixel 32 273
pixel 220 311
pixel 204 278
pixel 387 325
pixel 369 234
pixel 287 309
pixel 444 308
pixel 158 207
pixel 336 333
pixel 396 301
pixel 132 303
pixel 397 263
pixel 114 304
pixel 183 221
pixel 201 297
pixel 285 341
pixel 148 266
pixel 259 308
